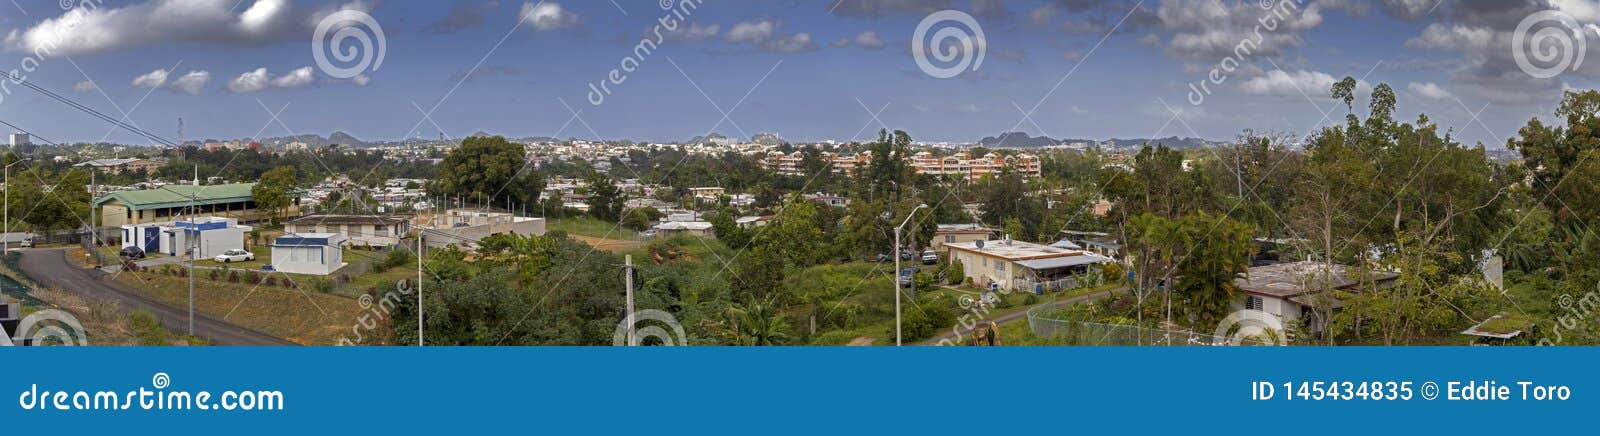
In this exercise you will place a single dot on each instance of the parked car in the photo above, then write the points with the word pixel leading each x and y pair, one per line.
pixel 235 256
pixel 930 257
pixel 132 253
pixel 27 242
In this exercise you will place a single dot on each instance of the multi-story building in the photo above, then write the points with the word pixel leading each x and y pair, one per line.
pixel 963 164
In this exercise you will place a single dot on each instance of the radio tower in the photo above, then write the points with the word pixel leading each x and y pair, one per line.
pixel 180 131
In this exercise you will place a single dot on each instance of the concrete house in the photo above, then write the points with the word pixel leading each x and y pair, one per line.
pixel 465 227
pixel 311 253
pixel 1022 266
pixel 1296 292
pixel 209 236
pixel 357 230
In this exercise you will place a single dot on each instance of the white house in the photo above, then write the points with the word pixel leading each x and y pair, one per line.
pixel 358 230
pixel 1296 292
pixel 1023 266
pixel 211 236
pixel 308 253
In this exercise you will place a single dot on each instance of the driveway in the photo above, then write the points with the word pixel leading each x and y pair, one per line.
pixel 50 268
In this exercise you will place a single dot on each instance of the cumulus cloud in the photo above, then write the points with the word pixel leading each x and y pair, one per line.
pixel 84 31
pixel 752 31
pixel 869 40
pixel 796 43
pixel 85 86
pixel 192 82
pixel 153 79
pixel 298 78
pixel 250 81
pixel 546 16
pixel 1429 90
pixel 1210 30
pixel 1297 84
pixel 1481 33
pixel 692 32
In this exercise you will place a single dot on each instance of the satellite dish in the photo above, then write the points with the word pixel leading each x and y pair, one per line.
pixel 978 244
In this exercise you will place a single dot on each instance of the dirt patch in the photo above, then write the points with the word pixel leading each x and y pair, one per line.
pixel 302 316
pixel 611 245
pixel 863 341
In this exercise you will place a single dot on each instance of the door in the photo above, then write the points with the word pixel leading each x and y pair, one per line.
pixel 152 240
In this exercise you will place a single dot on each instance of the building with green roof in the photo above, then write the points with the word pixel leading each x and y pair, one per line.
pixel 173 201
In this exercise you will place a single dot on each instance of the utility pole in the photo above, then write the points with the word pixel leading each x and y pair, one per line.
pixel 628 273
pixel 419 287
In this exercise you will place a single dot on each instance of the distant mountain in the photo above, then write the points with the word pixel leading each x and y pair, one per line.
pixel 317 141
pixel 767 139
pixel 1018 140
pixel 1024 140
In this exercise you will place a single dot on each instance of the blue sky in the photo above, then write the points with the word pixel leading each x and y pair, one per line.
pixel 809 70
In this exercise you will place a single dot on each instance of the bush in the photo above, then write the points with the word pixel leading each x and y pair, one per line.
pixel 394 259
pixel 926 319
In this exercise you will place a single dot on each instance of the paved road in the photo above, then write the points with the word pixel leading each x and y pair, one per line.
pixel 50 268
pixel 1018 315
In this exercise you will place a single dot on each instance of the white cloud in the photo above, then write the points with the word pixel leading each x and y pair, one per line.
pixel 361 80
pixel 251 81
pixel 85 86
pixel 153 79
pixel 692 32
pixel 796 43
pixel 870 40
pixel 193 82
pixel 752 31
pixel 1298 84
pixel 547 15
pixel 1209 30
pixel 295 79
pixel 1429 90
pixel 83 31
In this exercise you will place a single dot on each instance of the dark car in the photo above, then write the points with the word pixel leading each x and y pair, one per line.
pixel 132 253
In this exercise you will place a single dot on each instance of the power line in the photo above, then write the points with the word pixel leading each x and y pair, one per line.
pixel 30 134
pixel 97 114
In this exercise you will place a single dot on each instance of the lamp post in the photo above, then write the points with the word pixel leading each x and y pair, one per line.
pixel 6 244
pixel 193 249
pixel 897 338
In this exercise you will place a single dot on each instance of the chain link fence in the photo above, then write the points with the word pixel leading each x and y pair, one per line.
pixel 1068 332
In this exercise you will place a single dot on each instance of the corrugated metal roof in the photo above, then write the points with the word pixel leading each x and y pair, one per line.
pixel 179 196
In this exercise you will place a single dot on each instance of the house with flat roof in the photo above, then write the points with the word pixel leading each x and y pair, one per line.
pixel 1299 292
pixel 1025 266
pixel 172 201
pixel 309 253
pixel 957 233
pixel 466 227
pixel 358 230
pixel 118 166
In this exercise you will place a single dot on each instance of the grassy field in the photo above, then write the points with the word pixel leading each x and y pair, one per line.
pixel 591 227
pixel 303 315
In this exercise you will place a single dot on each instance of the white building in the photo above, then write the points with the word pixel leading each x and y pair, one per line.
pixel 357 230
pixel 19 139
pixel 211 236
pixel 465 227
pixel 1023 266
pixel 1296 292
pixel 310 253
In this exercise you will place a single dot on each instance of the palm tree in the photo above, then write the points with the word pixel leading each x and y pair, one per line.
pixel 756 323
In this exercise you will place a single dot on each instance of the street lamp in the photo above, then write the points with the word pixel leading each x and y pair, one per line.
pixel 193 242
pixel 897 339
pixel 6 244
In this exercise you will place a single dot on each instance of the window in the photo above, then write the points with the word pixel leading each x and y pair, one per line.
pixel 1254 303
pixel 1000 266
pixel 949 239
